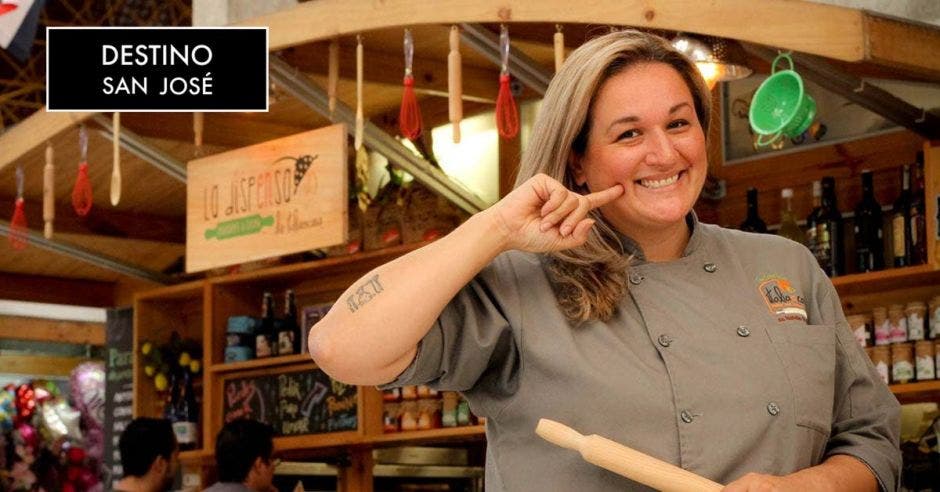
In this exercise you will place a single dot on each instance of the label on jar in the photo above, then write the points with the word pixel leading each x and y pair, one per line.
pixel 902 371
pixel 899 331
pixel 882 369
pixel 935 324
pixel 883 333
pixel 861 336
pixel 925 368
pixel 915 327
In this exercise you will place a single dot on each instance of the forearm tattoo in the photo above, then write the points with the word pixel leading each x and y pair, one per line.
pixel 365 293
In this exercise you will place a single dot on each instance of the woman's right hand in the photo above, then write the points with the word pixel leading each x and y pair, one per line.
pixel 542 215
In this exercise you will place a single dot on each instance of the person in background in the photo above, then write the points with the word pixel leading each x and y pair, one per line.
pixel 149 456
pixel 243 457
pixel 592 295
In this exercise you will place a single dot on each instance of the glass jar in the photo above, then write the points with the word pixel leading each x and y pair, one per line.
pixel 902 362
pixel 915 312
pixel 924 361
pixel 859 328
pixel 882 325
pixel 898 322
pixel 881 358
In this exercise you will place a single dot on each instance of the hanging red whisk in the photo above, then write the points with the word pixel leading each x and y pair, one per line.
pixel 409 118
pixel 507 115
pixel 81 193
pixel 19 231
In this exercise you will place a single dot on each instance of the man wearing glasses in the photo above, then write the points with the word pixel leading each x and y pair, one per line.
pixel 243 457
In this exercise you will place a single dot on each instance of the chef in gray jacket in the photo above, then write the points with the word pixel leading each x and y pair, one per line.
pixel 591 295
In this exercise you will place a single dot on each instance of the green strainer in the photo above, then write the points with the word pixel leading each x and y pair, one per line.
pixel 781 106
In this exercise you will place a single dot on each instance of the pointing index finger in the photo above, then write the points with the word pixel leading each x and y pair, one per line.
pixel 603 197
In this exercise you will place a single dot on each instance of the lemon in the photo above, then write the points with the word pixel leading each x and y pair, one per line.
pixel 150 370
pixel 146 348
pixel 194 366
pixel 185 359
pixel 160 382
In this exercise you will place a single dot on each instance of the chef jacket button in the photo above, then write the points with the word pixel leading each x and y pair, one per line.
pixel 664 340
pixel 743 331
pixel 686 416
pixel 635 278
pixel 710 267
pixel 773 408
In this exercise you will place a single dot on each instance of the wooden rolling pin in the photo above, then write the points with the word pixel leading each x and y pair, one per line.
pixel 624 461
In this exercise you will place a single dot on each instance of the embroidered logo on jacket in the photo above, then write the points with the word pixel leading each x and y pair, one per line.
pixel 782 299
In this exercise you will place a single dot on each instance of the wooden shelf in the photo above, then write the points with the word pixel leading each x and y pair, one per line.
pixel 473 431
pixel 186 290
pixel 888 279
pixel 910 392
pixel 196 455
pixel 261 363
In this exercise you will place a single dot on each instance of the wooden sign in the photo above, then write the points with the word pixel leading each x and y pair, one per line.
pixel 274 198
pixel 293 403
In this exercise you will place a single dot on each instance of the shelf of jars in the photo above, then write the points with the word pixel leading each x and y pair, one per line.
pixel 282 360
pixel 918 391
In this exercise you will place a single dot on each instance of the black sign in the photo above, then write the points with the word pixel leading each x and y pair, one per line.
pixel 157 69
pixel 304 402
pixel 119 387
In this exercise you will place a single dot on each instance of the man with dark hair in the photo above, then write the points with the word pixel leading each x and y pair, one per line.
pixel 243 457
pixel 149 456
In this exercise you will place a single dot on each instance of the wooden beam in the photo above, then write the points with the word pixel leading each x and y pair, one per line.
pixel 906 46
pixel 50 330
pixel 222 129
pixel 39 365
pixel 53 290
pixel 799 25
pixel 27 134
pixel 102 221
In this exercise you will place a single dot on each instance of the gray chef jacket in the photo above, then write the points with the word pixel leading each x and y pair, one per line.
pixel 735 358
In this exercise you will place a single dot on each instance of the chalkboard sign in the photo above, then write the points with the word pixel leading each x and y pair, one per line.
pixel 119 388
pixel 296 403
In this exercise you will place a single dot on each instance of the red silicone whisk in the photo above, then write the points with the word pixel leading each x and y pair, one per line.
pixel 81 193
pixel 507 115
pixel 409 118
pixel 19 231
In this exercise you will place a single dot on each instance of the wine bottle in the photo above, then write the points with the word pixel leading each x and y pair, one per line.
pixel 901 222
pixel 869 235
pixel 829 240
pixel 918 215
pixel 288 335
pixel 265 338
pixel 187 414
pixel 813 218
pixel 788 226
pixel 753 222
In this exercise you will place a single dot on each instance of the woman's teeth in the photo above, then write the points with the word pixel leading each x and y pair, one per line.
pixel 653 183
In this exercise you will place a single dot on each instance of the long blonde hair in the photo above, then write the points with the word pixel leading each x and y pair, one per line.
pixel 590 280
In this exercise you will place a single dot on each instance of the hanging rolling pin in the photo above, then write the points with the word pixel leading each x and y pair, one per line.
pixel 48 192
pixel 454 83
pixel 116 167
pixel 333 75
pixel 360 120
pixel 624 461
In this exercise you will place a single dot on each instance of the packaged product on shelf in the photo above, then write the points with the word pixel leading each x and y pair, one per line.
pixel 240 338
pixel 934 320
pixel 898 322
pixel 902 362
pixel 915 312
pixel 409 393
pixel 428 414
pixel 859 327
pixel 882 326
pixel 393 394
pixel 449 409
pixel 408 420
pixel 463 413
pixel 881 358
pixel 390 415
pixel 924 360
pixel 936 353
pixel 423 391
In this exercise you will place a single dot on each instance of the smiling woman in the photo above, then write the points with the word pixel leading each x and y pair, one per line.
pixel 592 295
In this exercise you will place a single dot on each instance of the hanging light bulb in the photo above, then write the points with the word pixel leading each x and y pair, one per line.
pixel 717 59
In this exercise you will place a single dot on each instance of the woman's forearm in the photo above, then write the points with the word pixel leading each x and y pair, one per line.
pixel 371 333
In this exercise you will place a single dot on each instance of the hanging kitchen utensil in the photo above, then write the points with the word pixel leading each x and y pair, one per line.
pixel 622 460
pixel 198 127
pixel 81 193
pixel 48 192
pixel 333 74
pixel 454 84
pixel 362 179
pixel 507 116
pixel 116 166
pixel 781 107
pixel 409 117
pixel 19 232
pixel 559 39
pixel 360 121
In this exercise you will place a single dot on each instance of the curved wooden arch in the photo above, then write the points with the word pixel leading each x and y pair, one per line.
pixel 798 25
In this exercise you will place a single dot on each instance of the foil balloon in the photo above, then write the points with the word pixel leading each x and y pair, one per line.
pixel 59 420
pixel 87 385
pixel 25 403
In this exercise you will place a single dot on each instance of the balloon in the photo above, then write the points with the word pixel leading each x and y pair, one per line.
pixel 71 418
pixel 25 403
pixel 87 386
pixel 7 410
